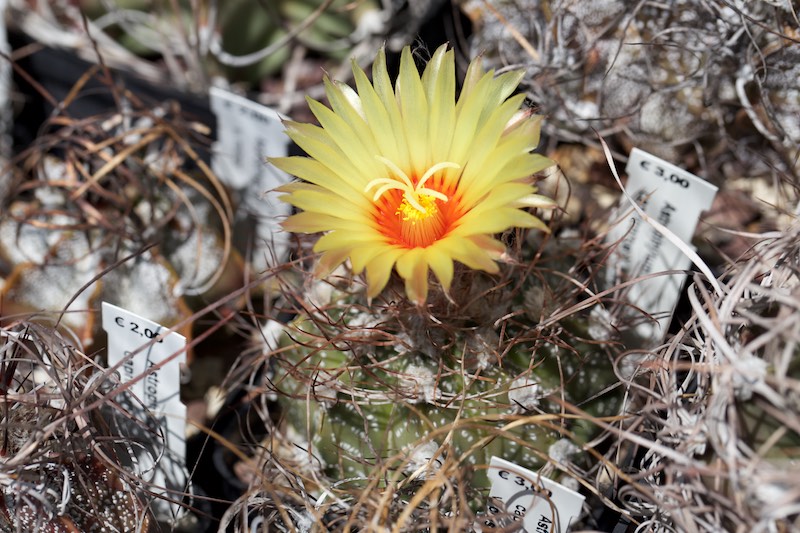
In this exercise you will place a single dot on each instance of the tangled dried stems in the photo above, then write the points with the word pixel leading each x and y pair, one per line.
pixel 67 454
pixel 112 172
pixel 439 502
pixel 717 417
pixel 707 83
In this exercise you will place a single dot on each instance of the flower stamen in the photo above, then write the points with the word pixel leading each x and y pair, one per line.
pixel 412 213
pixel 416 196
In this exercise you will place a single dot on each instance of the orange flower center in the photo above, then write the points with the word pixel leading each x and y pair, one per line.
pixel 408 212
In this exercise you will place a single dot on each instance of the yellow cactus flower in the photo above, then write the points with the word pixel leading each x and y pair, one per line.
pixel 412 178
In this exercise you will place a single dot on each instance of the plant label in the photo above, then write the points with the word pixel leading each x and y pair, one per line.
pixel 675 199
pixel 149 358
pixel 248 133
pixel 521 500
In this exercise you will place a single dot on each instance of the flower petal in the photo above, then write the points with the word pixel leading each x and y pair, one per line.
pixel 468 113
pixel 346 239
pixel 413 268
pixel 414 110
pixel 380 268
pixel 534 201
pixel 499 220
pixel 464 250
pixel 342 106
pixel 383 129
pixel 441 264
pixel 361 256
pixel 519 164
pixel 318 145
pixel 322 201
pixel 315 172
pixel 309 222
pixel 502 195
pixel 485 143
pixel 329 261
pixel 439 82
pixel 352 98
pixel 347 140
pixel 385 92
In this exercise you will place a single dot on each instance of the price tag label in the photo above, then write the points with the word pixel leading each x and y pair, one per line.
pixel 248 133
pixel 151 358
pixel 675 199
pixel 525 501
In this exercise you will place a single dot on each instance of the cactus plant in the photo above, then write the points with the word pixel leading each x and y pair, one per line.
pixel 402 377
pixel 122 209
pixel 709 84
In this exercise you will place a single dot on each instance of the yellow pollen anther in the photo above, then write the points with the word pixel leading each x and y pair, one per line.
pixel 412 213
pixel 419 202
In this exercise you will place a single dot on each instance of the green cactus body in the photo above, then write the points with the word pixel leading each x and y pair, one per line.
pixel 248 26
pixel 374 396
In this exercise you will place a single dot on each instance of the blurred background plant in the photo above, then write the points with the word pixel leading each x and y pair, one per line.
pixel 709 85
pixel 117 207
pixel 239 40
pixel 273 48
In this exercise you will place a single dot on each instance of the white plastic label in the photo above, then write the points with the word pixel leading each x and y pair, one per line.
pixel 152 359
pixel 528 501
pixel 674 198
pixel 248 133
